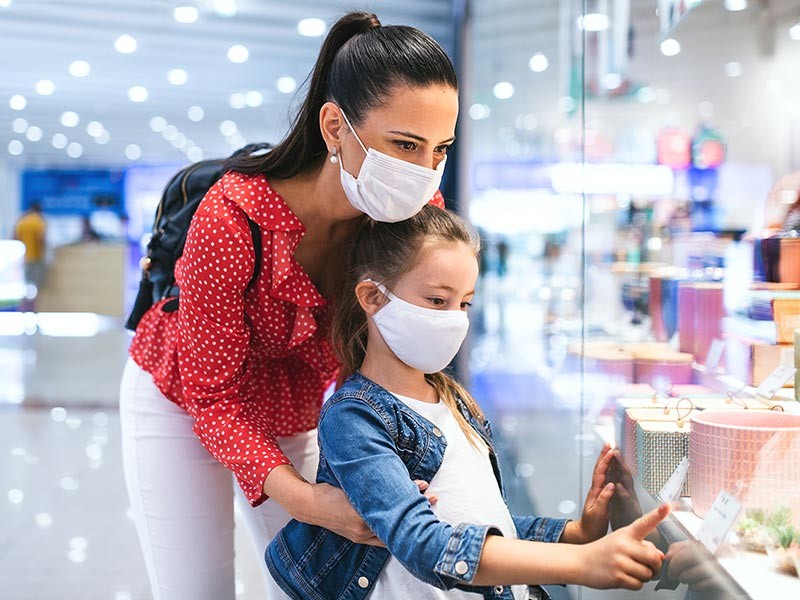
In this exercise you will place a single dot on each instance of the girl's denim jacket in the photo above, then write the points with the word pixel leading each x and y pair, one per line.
pixel 373 447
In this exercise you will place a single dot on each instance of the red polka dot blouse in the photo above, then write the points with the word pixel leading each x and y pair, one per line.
pixel 249 365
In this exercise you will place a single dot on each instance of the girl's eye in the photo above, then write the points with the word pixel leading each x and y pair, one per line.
pixel 408 146
pixel 442 149
pixel 466 305
pixel 436 301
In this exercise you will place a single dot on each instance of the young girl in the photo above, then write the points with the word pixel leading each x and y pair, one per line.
pixel 400 319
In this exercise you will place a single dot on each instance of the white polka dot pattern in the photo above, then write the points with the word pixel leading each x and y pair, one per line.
pixel 250 365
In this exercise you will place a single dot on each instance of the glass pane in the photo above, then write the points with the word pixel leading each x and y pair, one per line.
pixel 627 169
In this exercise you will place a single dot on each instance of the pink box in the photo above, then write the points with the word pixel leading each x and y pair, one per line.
pixel 752 453
pixel 686 308
pixel 665 370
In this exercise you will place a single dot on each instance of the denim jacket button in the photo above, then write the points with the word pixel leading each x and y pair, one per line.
pixel 499 589
pixel 462 567
pixel 363 582
pixel 437 432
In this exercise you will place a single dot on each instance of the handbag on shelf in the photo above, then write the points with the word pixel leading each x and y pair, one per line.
pixel 661 446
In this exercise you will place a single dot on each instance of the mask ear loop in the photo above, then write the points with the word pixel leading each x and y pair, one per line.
pixel 352 129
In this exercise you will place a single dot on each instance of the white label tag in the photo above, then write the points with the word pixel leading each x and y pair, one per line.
pixel 714 355
pixel 787 356
pixel 775 380
pixel 672 489
pixel 719 521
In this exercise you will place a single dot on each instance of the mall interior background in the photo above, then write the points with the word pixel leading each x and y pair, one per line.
pixel 575 161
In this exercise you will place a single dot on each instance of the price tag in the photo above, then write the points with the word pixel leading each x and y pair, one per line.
pixel 719 521
pixel 672 489
pixel 714 355
pixel 775 380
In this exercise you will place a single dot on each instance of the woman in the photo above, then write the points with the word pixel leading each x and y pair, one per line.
pixel 234 380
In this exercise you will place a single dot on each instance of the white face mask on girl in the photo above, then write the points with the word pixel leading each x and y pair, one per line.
pixel 389 189
pixel 423 338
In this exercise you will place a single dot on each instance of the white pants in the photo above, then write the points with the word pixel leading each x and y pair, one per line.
pixel 183 499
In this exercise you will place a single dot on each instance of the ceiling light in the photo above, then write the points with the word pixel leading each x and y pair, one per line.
pixel 19 125
pixel 593 22
pixel 34 133
pixel 646 94
pixel 794 32
pixel 237 100
pixel 125 44
pixel 74 150
pixel 238 53
pixel 478 112
pixel 179 140
pixel 735 5
pixel 286 84
pixel 103 138
pixel 538 63
pixel 312 27
pixel 196 113
pixel 224 8
pixel 177 76
pixel 503 90
pixel 17 102
pixel 133 152
pixel 45 87
pixel 185 14
pixel 70 118
pixel 15 147
pixel 612 81
pixel 670 47
pixel 567 104
pixel 195 154
pixel 79 68
pixel 59 141
pixel 169 133
pixel 138 93
pixel 158 124
pixel 5 3
pixel 254 99
pixel 228 128
pixel 733 69
pixel 94 128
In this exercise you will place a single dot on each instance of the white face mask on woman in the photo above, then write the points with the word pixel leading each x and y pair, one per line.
pixel 389 189
pixel 423 338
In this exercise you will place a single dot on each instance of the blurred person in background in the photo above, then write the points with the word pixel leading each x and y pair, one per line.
pixel 31 230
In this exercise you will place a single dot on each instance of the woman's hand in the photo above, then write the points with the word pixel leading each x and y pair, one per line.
pixel 623 558
pixel 322 504
pixel 593 523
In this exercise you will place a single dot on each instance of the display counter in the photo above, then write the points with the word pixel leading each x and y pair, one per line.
pixel 87 277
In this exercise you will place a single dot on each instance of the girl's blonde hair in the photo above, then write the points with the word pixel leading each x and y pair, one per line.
pixel 384 252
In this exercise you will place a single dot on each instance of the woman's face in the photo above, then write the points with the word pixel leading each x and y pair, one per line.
pixel 415 124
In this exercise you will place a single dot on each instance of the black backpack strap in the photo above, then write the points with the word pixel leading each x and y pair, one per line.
pixel 257 248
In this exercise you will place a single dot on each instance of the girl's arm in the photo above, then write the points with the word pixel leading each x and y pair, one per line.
pixel 359 449
pixel 622 559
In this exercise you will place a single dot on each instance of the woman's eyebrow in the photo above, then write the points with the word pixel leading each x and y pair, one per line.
pixel 419 138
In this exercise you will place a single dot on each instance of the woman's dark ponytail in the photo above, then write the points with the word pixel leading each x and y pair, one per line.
pixel 358 65
pixel 304 144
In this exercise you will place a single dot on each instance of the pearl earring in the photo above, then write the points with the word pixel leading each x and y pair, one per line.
pixel 334 159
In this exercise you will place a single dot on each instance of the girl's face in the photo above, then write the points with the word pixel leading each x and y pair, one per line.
pixel 443 277
pixel 415 124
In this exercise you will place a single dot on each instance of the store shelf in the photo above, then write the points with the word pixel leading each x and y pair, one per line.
pixel 755 574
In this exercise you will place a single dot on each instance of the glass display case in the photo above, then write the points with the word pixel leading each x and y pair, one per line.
pixel 629 167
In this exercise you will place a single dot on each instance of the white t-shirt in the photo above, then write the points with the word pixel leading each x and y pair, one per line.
pixel 468 493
